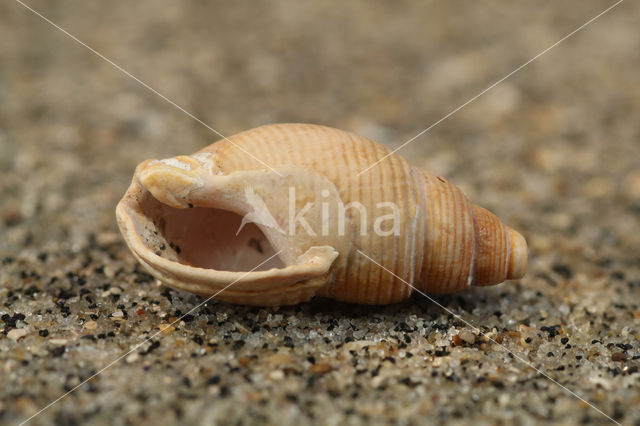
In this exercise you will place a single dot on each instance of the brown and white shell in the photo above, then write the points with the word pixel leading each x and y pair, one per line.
pixel 289 199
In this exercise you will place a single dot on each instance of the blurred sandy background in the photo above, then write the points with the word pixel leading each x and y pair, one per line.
pixel 553 151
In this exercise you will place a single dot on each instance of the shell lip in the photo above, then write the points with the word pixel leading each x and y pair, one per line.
pixel 315 263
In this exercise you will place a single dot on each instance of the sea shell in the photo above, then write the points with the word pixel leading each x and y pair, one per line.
pixel 293 195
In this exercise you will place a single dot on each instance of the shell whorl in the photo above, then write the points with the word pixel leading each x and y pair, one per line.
pixel 465 245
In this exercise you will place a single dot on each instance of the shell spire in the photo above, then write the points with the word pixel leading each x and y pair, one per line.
pixel 220 222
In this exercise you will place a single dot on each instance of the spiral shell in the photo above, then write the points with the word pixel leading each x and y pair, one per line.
pixel 280 213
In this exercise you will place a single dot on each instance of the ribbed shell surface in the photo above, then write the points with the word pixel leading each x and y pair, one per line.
pixel 433 245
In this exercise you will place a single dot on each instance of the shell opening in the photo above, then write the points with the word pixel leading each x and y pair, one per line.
pixel 206 238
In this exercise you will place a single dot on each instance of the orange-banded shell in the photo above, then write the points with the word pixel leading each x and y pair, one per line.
pixel 303 206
